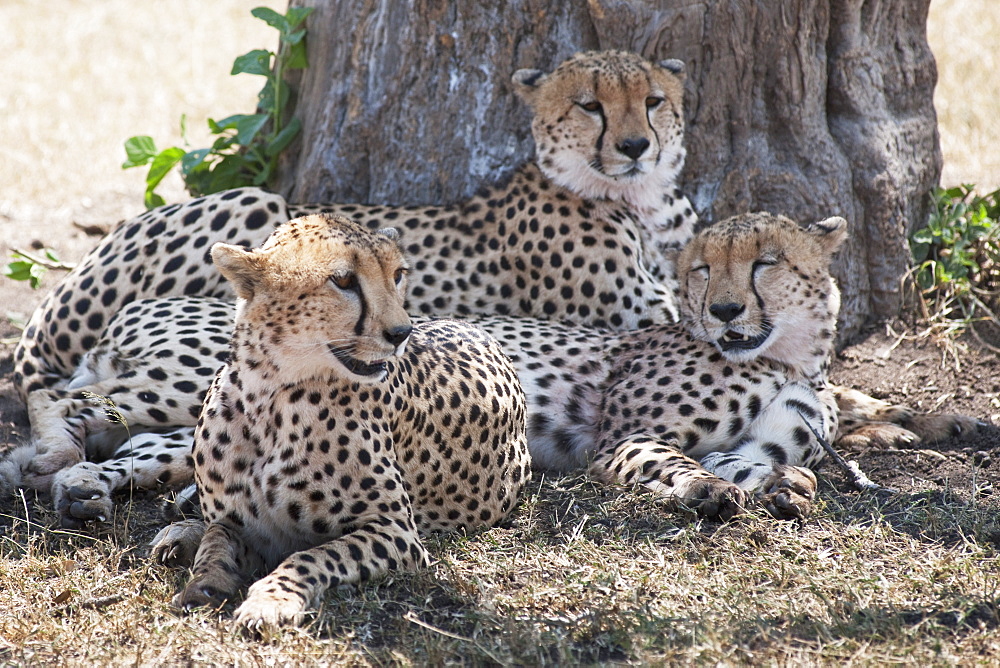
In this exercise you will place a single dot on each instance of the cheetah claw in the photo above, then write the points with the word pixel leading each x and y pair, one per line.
pixel 80 496
pixel 177 544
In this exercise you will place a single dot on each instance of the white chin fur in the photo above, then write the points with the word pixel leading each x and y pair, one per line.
pixel 642 191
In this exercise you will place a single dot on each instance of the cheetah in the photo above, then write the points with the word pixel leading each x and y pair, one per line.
pixel 712 413
pixel 337 431
pixel 584 234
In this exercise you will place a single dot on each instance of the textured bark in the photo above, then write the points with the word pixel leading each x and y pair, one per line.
pixel 804 107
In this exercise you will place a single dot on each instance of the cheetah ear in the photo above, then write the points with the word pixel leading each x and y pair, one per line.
pixel 390 233
pixel 830 233
pixel 527 82
pixel 675 67
pixel 238 266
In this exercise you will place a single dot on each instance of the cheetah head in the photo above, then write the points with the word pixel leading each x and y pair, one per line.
pixel 322 295
pixel 759 285
pixel 608 124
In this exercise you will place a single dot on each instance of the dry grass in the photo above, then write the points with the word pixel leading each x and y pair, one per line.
pixel 584 574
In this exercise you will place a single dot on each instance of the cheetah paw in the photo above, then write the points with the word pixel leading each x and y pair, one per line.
pixel 941 426
pixel 80 496
pixel 203 593
pixel 177 544
pixel 878 435
pixel 789 492
pixel 716 499
pixel 266 609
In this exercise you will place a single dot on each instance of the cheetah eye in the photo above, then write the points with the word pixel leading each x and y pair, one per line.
pixel 591 107
pixel 345 281
pixel 652 102
pixel 764 262
pixel 398 275
pixel 701 269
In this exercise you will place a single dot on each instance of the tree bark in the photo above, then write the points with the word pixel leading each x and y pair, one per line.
pixel 809 108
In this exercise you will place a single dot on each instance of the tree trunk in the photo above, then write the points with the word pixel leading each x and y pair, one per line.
pixel 809 108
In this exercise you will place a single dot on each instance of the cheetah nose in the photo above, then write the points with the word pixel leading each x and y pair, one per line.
pixel 633 147
pixel 396 335
pixel 726 312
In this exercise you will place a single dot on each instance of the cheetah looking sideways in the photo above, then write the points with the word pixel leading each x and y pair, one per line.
pixel 323 446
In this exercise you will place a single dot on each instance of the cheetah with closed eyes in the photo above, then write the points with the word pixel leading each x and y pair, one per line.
pixel 336 430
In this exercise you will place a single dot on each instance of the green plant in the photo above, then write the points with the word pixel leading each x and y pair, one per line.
pixel 28 267
pixel 956 256
pixel 248 145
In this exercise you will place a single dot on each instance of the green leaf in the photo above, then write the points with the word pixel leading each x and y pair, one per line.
pixel 958 192
pixel 297 59
pixel 294 37
pixel 272 18
pixel 227 123
pixel 266 97
pixel 36 273
pixel 262 176
pixel 283 138
pixel 228 173
pixel 223 143
pixel 162 164
pixel 152 200
pixel 194 159
pixel 139 150
pixel 19 270
pixel 257 61
pixel 248 127
pixel 297 15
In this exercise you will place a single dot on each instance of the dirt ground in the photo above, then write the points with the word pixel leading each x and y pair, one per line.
pixel 61 205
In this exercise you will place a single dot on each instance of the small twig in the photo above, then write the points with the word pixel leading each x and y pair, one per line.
pixel 45 262
pixel 100 602
pixel 860 481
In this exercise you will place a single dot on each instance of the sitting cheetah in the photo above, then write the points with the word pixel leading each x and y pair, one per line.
pixel 581 236
pixel 709 413
pixel 336 430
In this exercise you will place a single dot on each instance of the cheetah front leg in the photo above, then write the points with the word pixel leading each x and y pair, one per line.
pixel 773 458
pixel 867 421
pixel 284 595
pixel 223 560
pixel 659 465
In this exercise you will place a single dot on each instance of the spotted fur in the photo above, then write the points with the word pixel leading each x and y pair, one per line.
pixel 583 236
pixel 691 411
